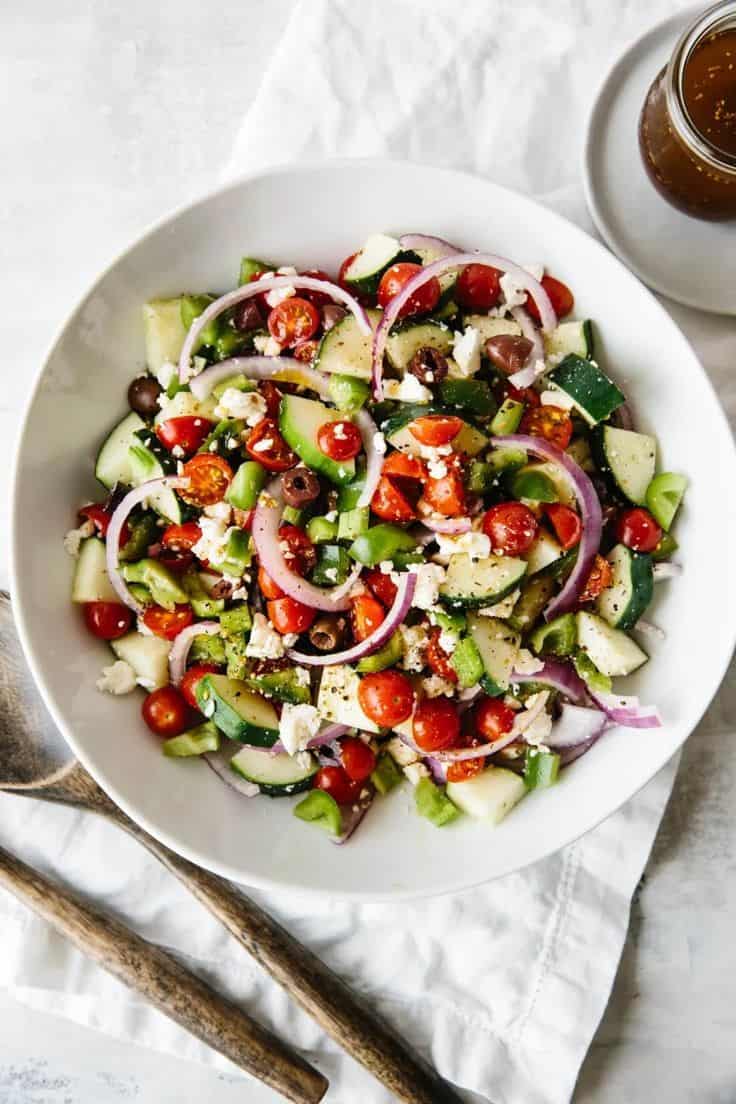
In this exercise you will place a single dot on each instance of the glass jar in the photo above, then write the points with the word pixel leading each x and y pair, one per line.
pixel 687 127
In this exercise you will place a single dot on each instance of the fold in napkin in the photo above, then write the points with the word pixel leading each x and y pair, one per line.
pixel 502 986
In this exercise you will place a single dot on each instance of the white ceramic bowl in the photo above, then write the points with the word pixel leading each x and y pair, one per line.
pixel 314 215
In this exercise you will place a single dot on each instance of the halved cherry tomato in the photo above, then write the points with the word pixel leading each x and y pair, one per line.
pixel 165 711
pixel 269 589
pixel 187 433
pixel 192 677
pixel 566 523
pixel 637 529
pixel 552 423
pixel 396 278
pixel 181 538
pixel 560 296
pixel 99 514
pixel 167 623
pixel 316 298
pixel 382 586
pixel 386 698
pixel 446 495
pixel 272 397
pixel 478 287
pixel 209 478
pixel 293 320
pixel 306 351
pixel 526 395
pixel 465 769
pixel 399 487
pixel 343 269
pixel 266 445
pixel 437 658
pixel 511 527
pixel 287 615
pixel 389 503
pixel 358 759
pixel 436 724
pixel 436 429
pixel 400 466
pixel 107 620
pixel 366 614
pixel 600 577
pixel 339 440
pixel 493 718
pixel 338 784
pixel 300 553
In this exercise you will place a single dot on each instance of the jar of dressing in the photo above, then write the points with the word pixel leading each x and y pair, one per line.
pixel 687 127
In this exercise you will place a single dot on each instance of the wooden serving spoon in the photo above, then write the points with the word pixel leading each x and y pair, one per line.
pixel 36 762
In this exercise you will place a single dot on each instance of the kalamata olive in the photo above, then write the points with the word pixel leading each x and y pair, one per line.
pixel 428 365
pixel 507 352
pixel 143 396
pixel 328 632
pixel 246 316
pixel 300 486
pixel 222 589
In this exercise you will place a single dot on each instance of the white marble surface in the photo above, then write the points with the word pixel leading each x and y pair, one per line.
pixel 112 115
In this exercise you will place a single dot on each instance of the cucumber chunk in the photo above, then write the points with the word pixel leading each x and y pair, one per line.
pixel 612 651
pixel 491 327
pixel 472 582
pixel 626 459
pixel 625 600
pixel 664 495
pixel 91 581
pixel 490 795
pixel 570 337
pixel 543 553
pixel 470 440
pixel 164 332
pixel 300 420
pixel 275 775
pixel 406 339
pixel 113 460
pixel 237 711
pixel 593 394
pixel 147 655
pixel 338 698
pixel 364 272
pixel 498 647
pixel 346 350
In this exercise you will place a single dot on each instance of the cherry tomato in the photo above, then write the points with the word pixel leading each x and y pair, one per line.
pixel 269 589
pixel 600 577
pixel 343 269
pixel 637 529
pixel 165 711
pixel 338 784
pixel 187 433
pixel 99 515
pixel 316 298
pixel 381 585
pixel 396 278
pixel 358 759
pixel 478 287
pixel 192 677
pixel 436 429
pixel 339 440
pixel 272 397
pixel 526 395
pixel 290 616
pixel 566 523
pixel 464 769
pixel 108 620
pixel 436 724
pixel 266 445
pixel 293 320
pixel 511 527
pixel 552 423
pixel 400 466
pixel 493 718
pixel 437 658
pixel 306 351
pixel 167 623
pixel 389 503
pixel 300 554
pixel 209 478
pixel 399 487
pixel 181 538
pixel 560 296
pixel 366 614
pixel 446 495
pixel 387 697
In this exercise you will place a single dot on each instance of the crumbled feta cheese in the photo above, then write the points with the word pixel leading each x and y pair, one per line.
pixel 339 432
pixel 501 609
pixel 220 510
pixel 448 641
pixel 434 452
pixel 540 728
pixel 264 642
pixel 526 663
pixel 196 365
pixel 331 516
pixel 330 573
pixel 430 577
pixel 166 373
pixel 250 406
pixel 286 270
pixel 408 389
pixel 386 567
pixel 473 544
pixel 273 298
pixel 435 686
pixel 557 398
pixel 178 452
pixel 297 726
pixel 465 353
pixel 118 678
pixel 301 675
pixel 415 772
pixel 379 443
pixel 240 594
pixel 212 544
pixel 262 446
pixel 415 641
pixel 147 684
pixel 400 752
pixel 514 293
pixel 74 537
pixel 535 270
pixel 290 639
pixel 267 345
pixel 437 469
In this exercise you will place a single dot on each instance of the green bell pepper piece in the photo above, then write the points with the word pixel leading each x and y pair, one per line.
pixel 533 485
pixel 386 775
pixel 238 663
pixel 352 523
pixel 347 392
pixel 433 803
pixel 236 620
pixel 481 477
pixel 208 649
pixel 467 663
pixel 236 382
pixel 666 547
pixel 143 531
pixel 228 435
pixel 247 484
pixel 349 494
pixel 228 343
pixel 292 515
pixel 191 307
pixel 507 419
pixel 590 674
pixel 387 656
pixel 249 266
pixel 664 495
pixel 381 542
pixel 333 565
pixel 320 530
pixel 205 737
pixel 238 554
pixel 203 605
pixel 162 583
pixel 541 769
pixel 321 809
pixel 557 637
pixel 455 622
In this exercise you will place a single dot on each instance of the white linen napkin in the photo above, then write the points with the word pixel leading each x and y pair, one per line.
pixel 502 986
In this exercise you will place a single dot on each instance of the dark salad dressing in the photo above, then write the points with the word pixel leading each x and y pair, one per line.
pixel 709 90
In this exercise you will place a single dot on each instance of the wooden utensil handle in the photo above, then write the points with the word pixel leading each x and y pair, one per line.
pixel 306 978
pixel 167 984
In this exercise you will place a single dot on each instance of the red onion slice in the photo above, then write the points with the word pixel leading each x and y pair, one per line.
pixel 438 246
pixel 666 570
pixel 569 755
pixel 590 512
pixel 395 616
pixel 439 268
pixel 352 815
pixel 331 315
pixel 182 644
pixel 626 711
pixel 576 725
pixel 260 368
pixel 374 458
pixel 449 526
pixel 219 761
pixel 523 721
pixel 114 529
pixel 528 375
pixel 268 283
pixel 265 530
pixel 560 676
pixel 650 629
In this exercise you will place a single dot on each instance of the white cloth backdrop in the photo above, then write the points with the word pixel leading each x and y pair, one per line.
pixel 502 986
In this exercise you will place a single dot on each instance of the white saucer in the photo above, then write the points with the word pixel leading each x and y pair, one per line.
pixel 687 259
